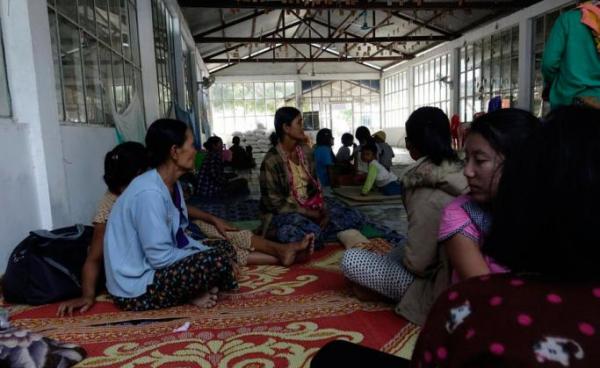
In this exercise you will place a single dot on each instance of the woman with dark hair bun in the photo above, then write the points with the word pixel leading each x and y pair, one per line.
pixel 292 203
pixel 413 274
pixel 151 262
pixel 121 165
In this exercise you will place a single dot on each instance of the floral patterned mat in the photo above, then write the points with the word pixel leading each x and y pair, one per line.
pixel 280 317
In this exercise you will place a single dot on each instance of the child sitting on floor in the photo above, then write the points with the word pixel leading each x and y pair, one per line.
pixel 386 181
pixel 344 155
pixel 386 152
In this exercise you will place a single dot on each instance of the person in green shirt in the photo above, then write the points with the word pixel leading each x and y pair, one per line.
pixel 571 62
pixel 378 175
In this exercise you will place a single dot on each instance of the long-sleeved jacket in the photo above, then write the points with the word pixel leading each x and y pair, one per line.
pixel 571 63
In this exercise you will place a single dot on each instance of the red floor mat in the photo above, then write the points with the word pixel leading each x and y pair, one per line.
pixel 279 318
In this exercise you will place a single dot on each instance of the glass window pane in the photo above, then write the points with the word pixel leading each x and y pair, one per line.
pixel 125 41
pixel 71 68
pixel 86 15
pixel 67 8
pixel 259 90
pixel 102 20
pixel 115 24
pixel 93 89
pixel 269 90
pixel 119 83
pixel 133 35
pixel 290 89
pixel 279 90
pixel 249 91
pixel 228 91
pixel 238 91
pixel 107 82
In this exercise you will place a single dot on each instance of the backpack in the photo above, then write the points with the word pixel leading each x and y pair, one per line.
pixel 46 266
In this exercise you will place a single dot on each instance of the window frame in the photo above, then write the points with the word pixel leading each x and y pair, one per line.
pixel 129 62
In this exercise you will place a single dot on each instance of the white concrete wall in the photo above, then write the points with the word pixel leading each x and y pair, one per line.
pixel 18 201
pixel 84 149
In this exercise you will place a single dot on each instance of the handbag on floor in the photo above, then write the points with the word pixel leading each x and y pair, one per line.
pixel 46 266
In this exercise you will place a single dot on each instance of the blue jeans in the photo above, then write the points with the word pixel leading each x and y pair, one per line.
pixel 393 188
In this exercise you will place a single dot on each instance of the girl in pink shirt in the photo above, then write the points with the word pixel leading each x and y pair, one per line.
pixel 493 138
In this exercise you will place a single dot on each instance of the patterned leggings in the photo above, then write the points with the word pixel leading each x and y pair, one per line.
pixel 292 227
pixel 187 279
pixel 379 272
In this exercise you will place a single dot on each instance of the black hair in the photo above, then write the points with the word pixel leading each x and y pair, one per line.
pixel 122 164
pixel 235 140
pixel 347 138
pixel 428 130
pixel 210 142
pixel 506 129
pixel 545 217
pixel 362 134
pixel 283 116
pixel 161 136
pixel 370 146
pixel 324 137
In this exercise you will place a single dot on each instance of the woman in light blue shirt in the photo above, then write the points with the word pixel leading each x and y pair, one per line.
pixel 150 261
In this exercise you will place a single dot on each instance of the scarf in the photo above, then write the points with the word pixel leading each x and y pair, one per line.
pixel 590 16
pixel 315 202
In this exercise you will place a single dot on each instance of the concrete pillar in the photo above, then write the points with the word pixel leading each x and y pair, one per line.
pixel 525 63
pixel 148 60
pixel 455 78
pixel 31 76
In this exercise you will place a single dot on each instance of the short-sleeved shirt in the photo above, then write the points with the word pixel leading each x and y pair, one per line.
pixel 104 208
pixel 323 158
pixel 505 320
pixel 465 217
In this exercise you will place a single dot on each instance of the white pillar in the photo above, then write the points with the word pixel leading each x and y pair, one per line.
pixel 148 60
pixel 410 80
pixel 525 63
pixel 31 74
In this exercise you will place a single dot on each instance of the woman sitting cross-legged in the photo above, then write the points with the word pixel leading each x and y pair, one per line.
pixel 412 273
pixel 292 203
pixel 149 259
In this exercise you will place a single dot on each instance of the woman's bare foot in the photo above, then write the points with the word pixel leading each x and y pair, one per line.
pixel 307 252
pixel 288 253
pixel 207 299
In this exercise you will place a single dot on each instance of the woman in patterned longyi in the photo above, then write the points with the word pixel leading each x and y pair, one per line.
pixel 150 260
